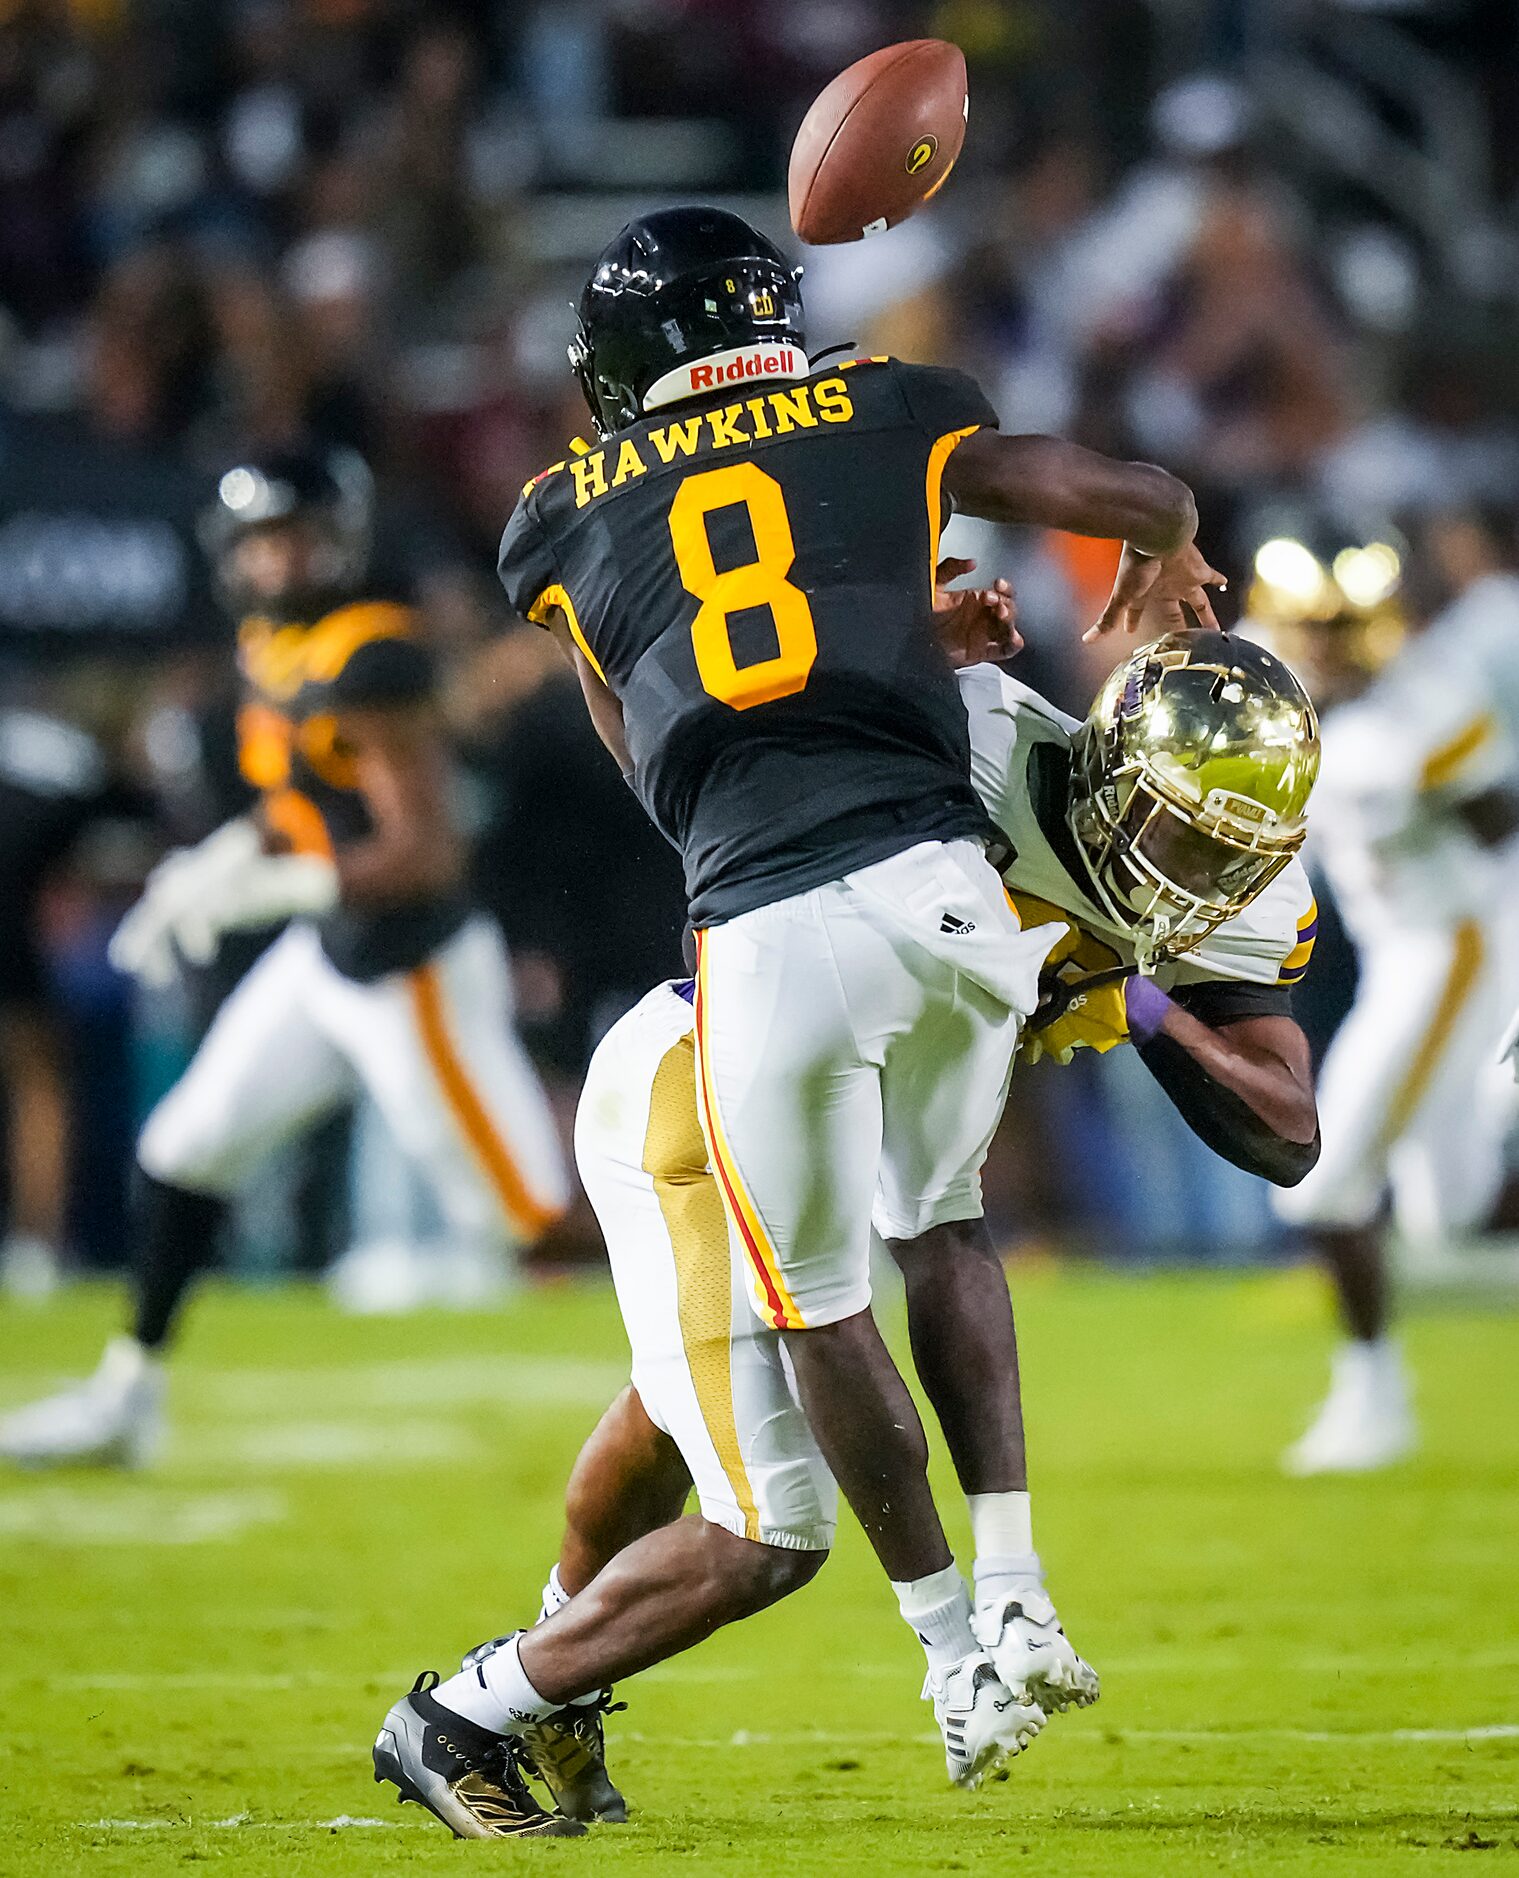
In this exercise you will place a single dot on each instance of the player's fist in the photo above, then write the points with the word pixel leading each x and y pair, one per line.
pixel 1089 1020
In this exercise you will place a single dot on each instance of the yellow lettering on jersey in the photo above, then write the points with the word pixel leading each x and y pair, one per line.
pixel 629 463
pixel 756 409
pixel 672 440
pixel 835 406
pixel 590 473
pixel 725 429
pixel 793 410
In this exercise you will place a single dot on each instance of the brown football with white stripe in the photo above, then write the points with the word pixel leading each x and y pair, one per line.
pixel 878 141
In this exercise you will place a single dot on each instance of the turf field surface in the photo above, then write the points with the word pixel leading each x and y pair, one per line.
pixel 1304 1678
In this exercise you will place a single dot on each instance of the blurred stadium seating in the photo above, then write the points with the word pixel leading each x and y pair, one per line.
pixel 1270 244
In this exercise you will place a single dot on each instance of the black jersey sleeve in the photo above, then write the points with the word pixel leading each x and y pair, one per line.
pixel 941 400
pixel 1219 1001
pixel 526 563
pixel 379 673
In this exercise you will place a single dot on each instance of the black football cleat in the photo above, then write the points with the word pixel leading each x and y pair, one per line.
pixel 568 1751
pixel 471 1779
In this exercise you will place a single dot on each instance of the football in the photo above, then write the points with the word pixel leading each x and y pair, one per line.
pixel 878 141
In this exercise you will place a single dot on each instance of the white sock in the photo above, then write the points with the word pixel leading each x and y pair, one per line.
pixel 1003 1525
pixel 496 1693
pixel 124 1362
pixel 555 1597
pixel 938 1610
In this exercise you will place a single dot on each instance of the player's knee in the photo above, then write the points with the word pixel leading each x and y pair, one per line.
pixel 175 1148
pixel 923 1255
pixel 746 1575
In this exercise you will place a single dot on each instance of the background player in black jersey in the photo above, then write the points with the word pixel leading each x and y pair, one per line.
pixel 384 980
pixel 743 571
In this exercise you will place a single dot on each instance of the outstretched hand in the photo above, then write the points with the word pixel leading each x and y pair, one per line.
pixel 974 623
pixel 1151 591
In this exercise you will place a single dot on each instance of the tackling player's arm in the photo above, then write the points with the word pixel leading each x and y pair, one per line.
pixel 414 850
pixel 1049 483
pixel 1241 1080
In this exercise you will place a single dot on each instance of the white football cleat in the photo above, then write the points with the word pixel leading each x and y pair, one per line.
pixel 1366 1421
pixel 114 1418
pixel 982 1722
pixel 1021 1633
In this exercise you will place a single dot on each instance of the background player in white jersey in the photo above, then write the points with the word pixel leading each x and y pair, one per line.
pixel 384 981
pixel 712 1398
pixel 1412 827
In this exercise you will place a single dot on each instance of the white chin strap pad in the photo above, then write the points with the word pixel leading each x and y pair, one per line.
pixel 738 366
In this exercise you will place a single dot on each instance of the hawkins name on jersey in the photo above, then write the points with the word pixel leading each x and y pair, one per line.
pixel 1020 765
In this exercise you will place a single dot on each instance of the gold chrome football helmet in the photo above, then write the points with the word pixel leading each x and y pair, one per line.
pixel 1189 782
pixel 1335 618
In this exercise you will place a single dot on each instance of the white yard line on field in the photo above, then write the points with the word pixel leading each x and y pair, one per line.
pixel 240 1822
pixel 1112 1737
pixel 128 1515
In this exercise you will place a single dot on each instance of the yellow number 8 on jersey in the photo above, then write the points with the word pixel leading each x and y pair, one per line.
pixel 756 583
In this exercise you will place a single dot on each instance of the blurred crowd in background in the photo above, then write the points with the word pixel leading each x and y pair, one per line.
pixel 1273 244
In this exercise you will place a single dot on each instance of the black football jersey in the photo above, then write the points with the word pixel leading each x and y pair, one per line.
pixel 297 681
pixel 752 576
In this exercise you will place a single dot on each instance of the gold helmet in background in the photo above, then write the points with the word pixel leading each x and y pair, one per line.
pixel 1335 618
pixel 1189 785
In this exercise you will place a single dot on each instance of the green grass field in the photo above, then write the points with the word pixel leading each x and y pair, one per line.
pixel 1297 1678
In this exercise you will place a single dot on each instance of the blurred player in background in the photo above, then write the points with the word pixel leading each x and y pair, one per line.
pixel 1188 735
pixel 1413 827
pixel 384 981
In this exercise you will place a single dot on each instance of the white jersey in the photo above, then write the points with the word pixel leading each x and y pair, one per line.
pixel 1020 746
pixel 1427 736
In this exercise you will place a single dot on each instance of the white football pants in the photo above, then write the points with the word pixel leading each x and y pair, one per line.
pixel 1411 1096
pixel 854 1046
pixel 706 1370
pixel 434 1049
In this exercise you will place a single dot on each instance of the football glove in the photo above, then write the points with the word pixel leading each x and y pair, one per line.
pixel 225 883
pixel 1096 1019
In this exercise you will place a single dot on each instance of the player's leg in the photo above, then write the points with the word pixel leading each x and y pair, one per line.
pixel 719 1410
pixel 800 1005
pixel 437 1050
pixel 629 1479
pixel 944 1088
pixel 263 1071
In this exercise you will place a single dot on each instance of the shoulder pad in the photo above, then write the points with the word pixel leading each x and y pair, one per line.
pixel 335 638
pixel 533 481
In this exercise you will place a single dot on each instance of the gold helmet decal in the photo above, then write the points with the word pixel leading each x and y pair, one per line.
pixel 922 154
pixel 1190 785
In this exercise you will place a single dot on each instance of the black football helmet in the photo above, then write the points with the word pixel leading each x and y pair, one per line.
pixel 673 289
pixel 330 491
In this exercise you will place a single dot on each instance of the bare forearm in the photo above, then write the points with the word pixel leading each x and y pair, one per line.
pixel 1276 1090
pixel 393 867
pixel 1049 483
